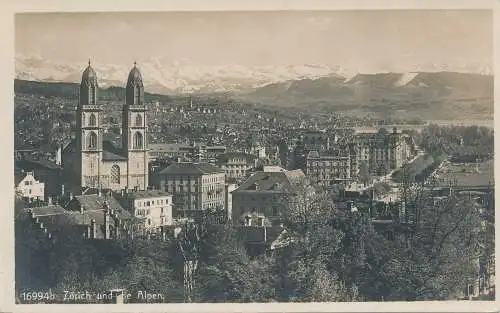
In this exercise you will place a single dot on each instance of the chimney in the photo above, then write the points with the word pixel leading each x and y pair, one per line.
pixel 123 192
pixel 62 190
pixel 93 229
pixel 126 189
pixel 59 155
pixel 70 196
pixel 50 201
pixel 107 229
pixel 99 192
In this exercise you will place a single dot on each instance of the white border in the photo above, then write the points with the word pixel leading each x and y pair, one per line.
pixel 9 7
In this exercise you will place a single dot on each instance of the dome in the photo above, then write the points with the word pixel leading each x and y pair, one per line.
pixel 134 77
pixel 89 76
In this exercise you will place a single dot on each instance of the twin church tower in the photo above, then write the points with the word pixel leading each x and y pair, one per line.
pixel 99 164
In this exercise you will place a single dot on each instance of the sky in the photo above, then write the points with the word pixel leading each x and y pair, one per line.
pixel 362 41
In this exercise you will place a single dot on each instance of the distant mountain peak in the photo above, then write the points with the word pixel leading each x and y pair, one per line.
pixel 181 76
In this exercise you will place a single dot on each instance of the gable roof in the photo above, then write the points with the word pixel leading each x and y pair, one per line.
pixel 95 202
pixel 30 164
pixel 277 182
pixel 190 169
pixel 110 156
pixel 110 151
pixel 146 194
pixel 46 210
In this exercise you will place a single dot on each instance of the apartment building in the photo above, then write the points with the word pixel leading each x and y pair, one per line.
pixel 153 207
pixel 265 194
pixel 195 187
pixel 236 164
pixel 328 169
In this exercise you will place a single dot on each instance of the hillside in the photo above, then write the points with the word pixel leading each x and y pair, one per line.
pixel 71 90
pixel 439 95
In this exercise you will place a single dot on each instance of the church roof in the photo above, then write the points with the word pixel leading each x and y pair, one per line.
pixel 89 76
pixel 110 156
pixel 134 77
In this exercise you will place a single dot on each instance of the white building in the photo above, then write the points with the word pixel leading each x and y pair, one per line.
pixel 30 188
pixel 153 206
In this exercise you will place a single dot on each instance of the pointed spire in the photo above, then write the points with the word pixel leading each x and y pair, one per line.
pixel 135 63
pixel 89 61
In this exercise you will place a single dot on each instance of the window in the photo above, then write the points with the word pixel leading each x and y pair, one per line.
pixel 138 120
pixel 92 140
pixel 148 203
pixel 92 120
pixel 26 183
pixel 149 221
pixel 137 95
pixel 138 140
pixel 115 174
pixel 161 210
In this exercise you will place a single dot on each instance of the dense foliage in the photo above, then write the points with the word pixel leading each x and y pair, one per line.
pixel 456 140
pixel 419 170
pixel 332 255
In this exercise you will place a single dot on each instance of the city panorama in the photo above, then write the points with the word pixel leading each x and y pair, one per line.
pixel 207 168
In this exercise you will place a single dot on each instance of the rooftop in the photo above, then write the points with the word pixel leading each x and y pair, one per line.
pixel 189 168
pixel 47 210
pixel 30 163
pixel 146 194
pixel 232 155
pixel 271 182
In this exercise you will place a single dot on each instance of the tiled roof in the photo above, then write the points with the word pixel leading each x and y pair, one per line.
pixel 30 163
pixel 190 169
pixel 258 234
pixel 271 181
pixel 110 156
pixel 69 146
pixel 96 203
pixel 47 210
pixel 146 194
pixel 67 224
pixel 168 147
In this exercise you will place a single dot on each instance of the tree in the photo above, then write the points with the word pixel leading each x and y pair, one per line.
pixel 226 272
pixel 303 273
pixel 439 257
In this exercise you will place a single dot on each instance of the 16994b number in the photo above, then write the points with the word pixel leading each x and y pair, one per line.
pixel 29 296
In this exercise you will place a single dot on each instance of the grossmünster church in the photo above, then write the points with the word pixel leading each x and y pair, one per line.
pixel 96 163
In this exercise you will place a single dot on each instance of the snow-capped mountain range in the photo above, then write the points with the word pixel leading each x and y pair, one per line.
pixel 182 76
pixel 164 77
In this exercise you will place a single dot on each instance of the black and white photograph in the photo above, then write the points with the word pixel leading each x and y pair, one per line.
pixel 280 156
